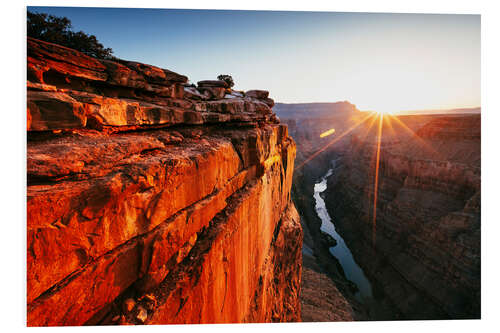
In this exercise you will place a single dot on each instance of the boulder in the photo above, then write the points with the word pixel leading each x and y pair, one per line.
pixel 212 83
pixel 259 94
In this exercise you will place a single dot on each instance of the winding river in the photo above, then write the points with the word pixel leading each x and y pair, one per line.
pixel 352 271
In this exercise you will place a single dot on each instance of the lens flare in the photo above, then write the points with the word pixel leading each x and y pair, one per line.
pixel 327 133
pixel 375 185
pixel 390 122
pixel 336 139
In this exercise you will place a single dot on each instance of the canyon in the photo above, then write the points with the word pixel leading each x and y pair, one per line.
pixel 154 201
pixel 423 246
pixel 421 252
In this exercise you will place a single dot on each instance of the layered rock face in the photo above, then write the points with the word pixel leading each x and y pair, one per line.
pixel 425 258
pixel 151 201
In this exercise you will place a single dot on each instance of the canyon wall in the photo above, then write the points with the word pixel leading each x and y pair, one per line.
pixel 153 201
pixel 326 293
pixel 311 111
pixel 422 251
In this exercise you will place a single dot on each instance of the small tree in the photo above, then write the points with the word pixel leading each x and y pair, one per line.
pixel 57 30
pixel 226 78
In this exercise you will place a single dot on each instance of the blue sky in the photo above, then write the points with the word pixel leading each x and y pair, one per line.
pixel 376 61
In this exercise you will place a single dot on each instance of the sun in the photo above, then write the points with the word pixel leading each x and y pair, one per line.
pixel 381 112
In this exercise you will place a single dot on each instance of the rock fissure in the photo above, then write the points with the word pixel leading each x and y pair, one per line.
pixel 152 201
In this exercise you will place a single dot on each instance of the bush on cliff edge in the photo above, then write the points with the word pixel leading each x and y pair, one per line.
pixel 58 30
pixel 226 78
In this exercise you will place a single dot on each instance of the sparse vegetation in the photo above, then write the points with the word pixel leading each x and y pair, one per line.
pixel 226 78
pixel 58 30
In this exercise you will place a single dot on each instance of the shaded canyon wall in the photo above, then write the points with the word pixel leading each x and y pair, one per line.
pixel 426 255
pixel 326 294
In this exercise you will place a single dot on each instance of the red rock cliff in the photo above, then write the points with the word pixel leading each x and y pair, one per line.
pixel 153 201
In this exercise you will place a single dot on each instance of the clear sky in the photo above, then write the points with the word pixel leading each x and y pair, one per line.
pixel 386 62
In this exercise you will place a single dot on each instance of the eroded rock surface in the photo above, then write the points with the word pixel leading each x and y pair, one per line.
pixel 151 201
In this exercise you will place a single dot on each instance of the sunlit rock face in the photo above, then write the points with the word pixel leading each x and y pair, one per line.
pixel 426 254
pixel 150 201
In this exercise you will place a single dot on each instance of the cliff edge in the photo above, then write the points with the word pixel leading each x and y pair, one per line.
pixel 152 201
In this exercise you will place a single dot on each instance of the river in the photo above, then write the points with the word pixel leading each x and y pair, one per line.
pixel 352 271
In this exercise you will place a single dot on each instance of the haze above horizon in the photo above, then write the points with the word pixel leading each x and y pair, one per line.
pixel 382 62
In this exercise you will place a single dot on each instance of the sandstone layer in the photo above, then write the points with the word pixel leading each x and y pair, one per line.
pixel 153 201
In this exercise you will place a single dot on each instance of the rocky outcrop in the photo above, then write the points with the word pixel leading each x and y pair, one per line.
pixel 151 201
pixel 423 251
pixel 321 300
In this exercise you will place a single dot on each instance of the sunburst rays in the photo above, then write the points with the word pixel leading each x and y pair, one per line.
pixel 375 184
pixel 336 139
pixel 417 139
pixel 386 122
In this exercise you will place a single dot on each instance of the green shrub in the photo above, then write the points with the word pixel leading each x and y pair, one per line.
pixel 226 78
pixel 57 30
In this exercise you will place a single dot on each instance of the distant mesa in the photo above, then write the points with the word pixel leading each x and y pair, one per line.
pixel 314 110
pixel 476 110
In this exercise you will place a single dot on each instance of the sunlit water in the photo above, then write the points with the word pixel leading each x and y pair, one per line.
pixel 353 272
